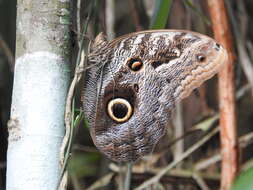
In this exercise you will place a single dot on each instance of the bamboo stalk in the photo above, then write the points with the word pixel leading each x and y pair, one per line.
pixel 228 132
pixel 41 81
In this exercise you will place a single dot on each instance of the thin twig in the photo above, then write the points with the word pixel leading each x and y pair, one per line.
pixel 183 173
pixel 127 183
pixel 200 181
pixel 173 181
pixel 74 122
pixel 81 62
pixel 207 123
pixel 179 131
pixel 201 126
pixel 101 182
pixel 190 150
pixel 250 48
pixel 241 92
pixel 74 181
pixel 66 143
pixel 244 141
pixel 203 164
pixel 229 141
pixel 63 183
pixel 78 21
pixel 247 165
pixel 8 53
pixel 110 18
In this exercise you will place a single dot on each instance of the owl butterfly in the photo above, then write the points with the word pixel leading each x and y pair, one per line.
pixel 133 82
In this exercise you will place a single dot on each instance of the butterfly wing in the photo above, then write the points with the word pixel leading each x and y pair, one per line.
pixel 134 82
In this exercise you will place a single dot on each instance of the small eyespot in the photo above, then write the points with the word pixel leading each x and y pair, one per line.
pixel 135 64
pixel 119 110
pixel 201 58
pixel 217 46
pixel 176 51
pixel 136 88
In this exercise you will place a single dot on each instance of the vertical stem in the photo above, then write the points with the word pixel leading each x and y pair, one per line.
pixel 78 21
pixel 179 131
pixel 110 18
pixel 127 183
pixel 228 135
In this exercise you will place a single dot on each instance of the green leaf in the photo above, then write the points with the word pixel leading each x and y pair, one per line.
pixel 78 119
pixel 83 164
pixel 161 13
pixel 244 181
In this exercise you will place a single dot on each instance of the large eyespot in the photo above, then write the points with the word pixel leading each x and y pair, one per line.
pixel 119 110
pixel 135 64
pixel 201 57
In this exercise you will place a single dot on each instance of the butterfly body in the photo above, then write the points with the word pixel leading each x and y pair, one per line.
pixel 134 81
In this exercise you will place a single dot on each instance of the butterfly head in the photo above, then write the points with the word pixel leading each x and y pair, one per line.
pixel 201 61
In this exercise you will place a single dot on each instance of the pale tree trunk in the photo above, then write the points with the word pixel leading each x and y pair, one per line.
pixel 41 79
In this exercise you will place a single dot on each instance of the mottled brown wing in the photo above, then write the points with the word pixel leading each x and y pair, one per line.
pixel 135 81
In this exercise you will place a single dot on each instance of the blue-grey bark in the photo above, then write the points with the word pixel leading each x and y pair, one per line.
pixel 41 81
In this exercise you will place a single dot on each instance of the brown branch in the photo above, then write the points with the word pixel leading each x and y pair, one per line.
pixel 228 135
